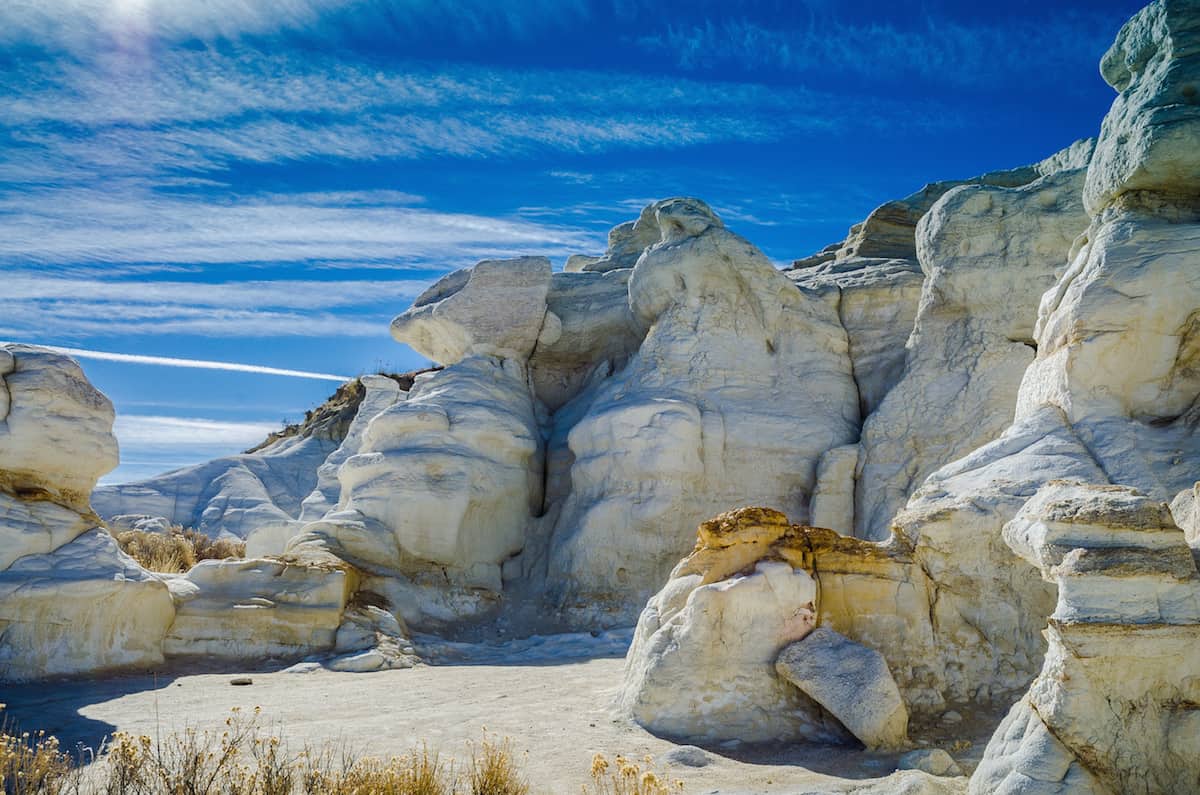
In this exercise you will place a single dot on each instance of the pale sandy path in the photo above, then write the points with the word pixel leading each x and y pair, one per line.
pixel 559 713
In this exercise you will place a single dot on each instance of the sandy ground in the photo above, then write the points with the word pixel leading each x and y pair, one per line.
pixel 556 708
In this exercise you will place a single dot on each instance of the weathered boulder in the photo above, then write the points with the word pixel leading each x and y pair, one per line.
pixel 697 421
pixel 258 608
pixel 56 436
pixel 496 308
pixel 701 663
pixel 852 682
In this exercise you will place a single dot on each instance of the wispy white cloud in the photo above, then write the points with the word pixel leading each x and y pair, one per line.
pixel 84 25
pixel 142 430
pixel 937 49
pixel 197 364
pixel 77 319
pixel 87 224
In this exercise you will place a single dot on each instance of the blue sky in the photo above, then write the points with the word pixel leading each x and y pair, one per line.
pixel 269 183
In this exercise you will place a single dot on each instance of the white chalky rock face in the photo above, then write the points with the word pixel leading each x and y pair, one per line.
pixel 258 608
pixel 740 385
pixel 588 325
pixel 495 308
pixel 55 427
pixel 1148 139
pixel 1119 352
pixel 70 601
pixel 83 608
pixel 237 496
pixel 445 480
pixel 852 682
pixel 988 254
pixel 1121 679
pixel 701 665
pixel 876 301
pixel 381 393
pixel 980 589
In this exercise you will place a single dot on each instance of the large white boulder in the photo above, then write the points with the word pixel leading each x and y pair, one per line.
pixel 705 660
pixel 740 385
pixel 701 664
pixel 70 601
pixel 495 308
pixel 55 427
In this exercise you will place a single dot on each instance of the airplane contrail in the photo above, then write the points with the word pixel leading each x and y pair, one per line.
pixel 198 364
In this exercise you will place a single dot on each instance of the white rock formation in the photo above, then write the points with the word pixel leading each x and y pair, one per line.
pixel 70 601
pixel 702 661
pixel 988 254
pixel 443 486
pixel 56 438
pixel 852 682
pixel 705 659
pixel 495 308
pixel 696 422
pixel 258 608
pixel 1114 709
pixel 1148 139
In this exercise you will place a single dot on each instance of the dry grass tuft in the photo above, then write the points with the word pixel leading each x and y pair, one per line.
pixel 416 773
pixel 244 758
pixel 32 764
pixel 494 771
pixel 628 778
pixel 177 551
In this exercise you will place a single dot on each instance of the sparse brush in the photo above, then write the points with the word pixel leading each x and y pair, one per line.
pixel 244 758
pixel 627 777
pixel 493 770
pixel 32 764
pixel 178 550
pixel 206 548
pixel 416 773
